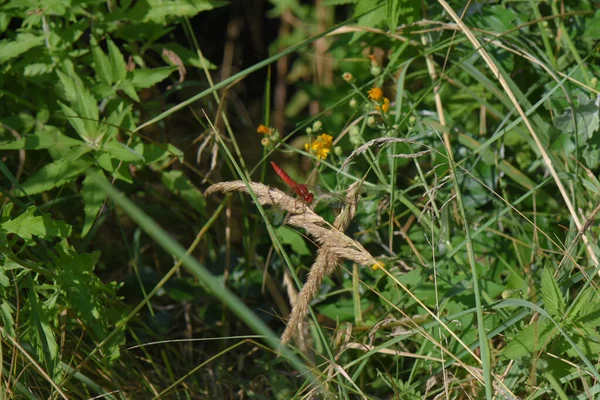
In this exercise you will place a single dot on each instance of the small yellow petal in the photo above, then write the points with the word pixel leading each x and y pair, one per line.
pixel 375 94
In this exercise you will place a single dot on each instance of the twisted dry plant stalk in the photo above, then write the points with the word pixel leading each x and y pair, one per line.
pixel 333 243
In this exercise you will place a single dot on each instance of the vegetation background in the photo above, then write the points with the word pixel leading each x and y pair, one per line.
pixel 466 269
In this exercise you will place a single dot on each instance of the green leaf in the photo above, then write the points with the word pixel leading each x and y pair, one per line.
pixel 160 10
pixel 54 175
pixel 530 339
pixel 79 124
pixel 117 61
pixel 43 226
pixel 372 19
pixel 45 345
pixel 121 152
pixel 8 322
pixel 50 137
pixel 592 31
pixel 101 63
pixel 21 44
pixel 93 198
pixel 553 299
pixel 114 120
pixel 177 183
pixel 114 167
pixel 84 105
pixel 145 78
pixel 294 239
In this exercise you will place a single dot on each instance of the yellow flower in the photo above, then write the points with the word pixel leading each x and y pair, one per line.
pixel 385 107
pixel 264 130
pixel 320 146
pixel 376 94
pixel 378 265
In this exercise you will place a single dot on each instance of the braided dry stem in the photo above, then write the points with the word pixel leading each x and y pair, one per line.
pixel 334 244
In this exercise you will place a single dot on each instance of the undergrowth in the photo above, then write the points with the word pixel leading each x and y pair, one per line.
pixel 461 141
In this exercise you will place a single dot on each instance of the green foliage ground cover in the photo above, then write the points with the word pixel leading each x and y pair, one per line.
pixel 473 129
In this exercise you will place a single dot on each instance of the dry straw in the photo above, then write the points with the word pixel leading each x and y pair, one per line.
pixel 333 243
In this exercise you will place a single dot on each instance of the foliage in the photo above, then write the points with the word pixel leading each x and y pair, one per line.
pixel 472 128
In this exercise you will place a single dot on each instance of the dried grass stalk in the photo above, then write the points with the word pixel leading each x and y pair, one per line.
pixel 334 244
pixel 377 143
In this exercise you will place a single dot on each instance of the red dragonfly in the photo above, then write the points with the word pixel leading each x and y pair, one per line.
pixel 300 189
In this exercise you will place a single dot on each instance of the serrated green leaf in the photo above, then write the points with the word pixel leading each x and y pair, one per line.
pixel 114 120
pixel 117 61
pixel 8 321
pixel 583 305
pixel 77 123
pixel 93 198
pixel 101 63
pixel 44 140
pixel 553 299
pixel 530 339
pixel 54 175
pixel 294 239
pixel 83 104
pixel 21 44
pixel 37 69
pixel 129 90
pixel 121 152
pixel 177 183
pixel 374 17
pixel 114 167
pixel 145 78
pixel 43 226
pixel 45 344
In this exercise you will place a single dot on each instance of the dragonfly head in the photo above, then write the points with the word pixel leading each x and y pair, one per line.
pixel 309 197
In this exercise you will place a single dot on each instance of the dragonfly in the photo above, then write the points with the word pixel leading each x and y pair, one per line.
pixel 300 189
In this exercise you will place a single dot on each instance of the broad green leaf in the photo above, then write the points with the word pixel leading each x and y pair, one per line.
pixel 592 31
pixel 54 175
pixel 553 299
pixel 43 226
pixel 373 17
pixel 121 152
pixel 145 78
pixel 101 63
pixel 177 183
pixel 50 137
pixel 529 340
pixel 342 310
pixel 160 10
pixel 117 61
pixel 22 43
pixel 114 167
pixel 93 198
pixel 294 239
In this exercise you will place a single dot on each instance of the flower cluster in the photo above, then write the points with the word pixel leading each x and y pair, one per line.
pixel 320 146
pixel 381 103
pixel 271 135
